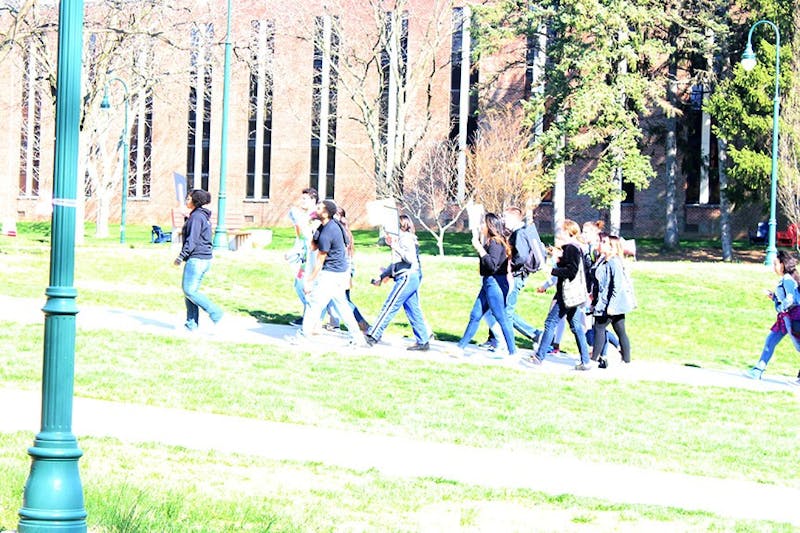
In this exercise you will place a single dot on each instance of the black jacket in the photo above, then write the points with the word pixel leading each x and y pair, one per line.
pixel 495 262
pixel 567 266
pixel 197 235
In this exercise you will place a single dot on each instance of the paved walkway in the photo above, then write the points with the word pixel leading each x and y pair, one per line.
pixel 400 456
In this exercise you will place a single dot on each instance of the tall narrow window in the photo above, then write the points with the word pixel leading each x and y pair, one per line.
pixel 141 144
pixel 30 136
pixel 535 60
pixel 259 124
pixel 463 93
pixel 699 162
pixel 394 57
pixel 323 106
pixel 199 127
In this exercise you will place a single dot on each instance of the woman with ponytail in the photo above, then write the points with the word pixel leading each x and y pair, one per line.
pixel 785 298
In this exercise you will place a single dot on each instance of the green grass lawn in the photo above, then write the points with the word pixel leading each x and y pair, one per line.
pixel 713 315
pixel 149 488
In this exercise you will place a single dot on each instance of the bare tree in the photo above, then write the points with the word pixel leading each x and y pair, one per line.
pixel 385 69
pixel 503 168
pixel 430 192
pixel 120 41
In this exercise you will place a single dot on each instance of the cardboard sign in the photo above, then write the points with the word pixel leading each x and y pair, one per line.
pixel 475 215
pixel 180 188
pixel 383 213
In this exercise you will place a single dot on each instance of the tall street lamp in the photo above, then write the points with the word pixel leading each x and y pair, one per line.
pixel 748 63
pixel 221 233
pixel 53 494
pixel 123 140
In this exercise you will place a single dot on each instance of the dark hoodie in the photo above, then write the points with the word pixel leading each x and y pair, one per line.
pixel 197 235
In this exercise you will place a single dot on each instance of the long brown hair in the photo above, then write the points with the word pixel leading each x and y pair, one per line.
pixel 496 231
pixel 406 224
pixel 341 216
pixel 572 228
pixel 789 263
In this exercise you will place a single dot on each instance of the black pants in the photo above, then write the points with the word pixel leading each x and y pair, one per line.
pixel 618 323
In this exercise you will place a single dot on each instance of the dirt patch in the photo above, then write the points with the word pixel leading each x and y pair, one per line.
pixel 698 255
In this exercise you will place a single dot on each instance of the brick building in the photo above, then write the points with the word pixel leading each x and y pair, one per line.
pixel 371 83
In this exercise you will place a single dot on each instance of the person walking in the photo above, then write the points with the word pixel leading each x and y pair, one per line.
pixel 329 280
pixel 405 291
pixel 785 298
pixel 341 217
pixel 494 253
pixel 614 299
pixel 301 256
pixel 196 253
pixel 568 267
pixel 524 261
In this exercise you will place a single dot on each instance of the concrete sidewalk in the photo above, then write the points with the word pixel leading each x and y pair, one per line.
pixel 241 329
pixel 506 468
pixel 395 456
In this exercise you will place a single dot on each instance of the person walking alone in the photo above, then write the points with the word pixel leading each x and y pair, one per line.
pixel 785 298
pixel 196 253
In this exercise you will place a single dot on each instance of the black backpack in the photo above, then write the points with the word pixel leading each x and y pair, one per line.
pixel 537 253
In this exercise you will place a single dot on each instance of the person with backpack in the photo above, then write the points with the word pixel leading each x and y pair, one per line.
pixel 405 292
pixel 494 254
pixel 329 280
pixel 785 297
pixel 528 255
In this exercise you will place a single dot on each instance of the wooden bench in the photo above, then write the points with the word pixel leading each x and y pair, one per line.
pixel 238 238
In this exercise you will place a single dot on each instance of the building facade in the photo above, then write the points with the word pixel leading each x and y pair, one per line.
pixel 341 99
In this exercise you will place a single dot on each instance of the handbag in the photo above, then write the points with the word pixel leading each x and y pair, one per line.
pixel 573 292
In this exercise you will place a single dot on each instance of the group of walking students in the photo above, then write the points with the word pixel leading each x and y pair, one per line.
pixel 593 289
pixel 588 274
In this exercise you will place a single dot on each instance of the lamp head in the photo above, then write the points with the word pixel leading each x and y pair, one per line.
pixel 748 58
pixel 105 104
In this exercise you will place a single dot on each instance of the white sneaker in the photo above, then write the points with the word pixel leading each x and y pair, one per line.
pixel 754 373
pixel 457 353
pixel 295 340
pixel 358 343
pixel 498 353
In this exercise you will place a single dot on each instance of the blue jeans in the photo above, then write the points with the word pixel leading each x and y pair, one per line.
pixel 331 310
pixel 576 324
pixel 610 339
pixel 773 338
pixel 329 287
pixel 491 298
pixel 298 288
pixel 193 272
pixel 405 294
pixel 511 305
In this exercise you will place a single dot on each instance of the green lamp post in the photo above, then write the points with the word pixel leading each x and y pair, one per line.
pixel 53 495
pixel 123 140
pixel 221 232
pixel 748 63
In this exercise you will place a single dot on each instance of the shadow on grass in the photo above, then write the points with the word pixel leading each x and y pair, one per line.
pixel 264 317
